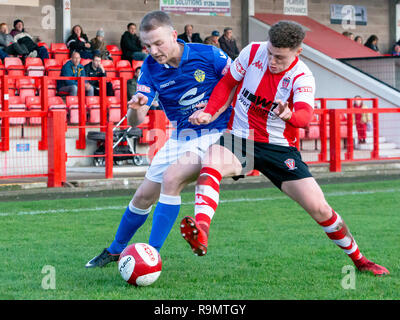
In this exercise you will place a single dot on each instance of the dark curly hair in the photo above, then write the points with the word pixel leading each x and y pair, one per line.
pixel 286 34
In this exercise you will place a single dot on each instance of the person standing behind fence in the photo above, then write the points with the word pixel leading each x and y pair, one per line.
pixel 361 120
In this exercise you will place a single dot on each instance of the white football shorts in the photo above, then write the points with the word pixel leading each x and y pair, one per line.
pixel 173 149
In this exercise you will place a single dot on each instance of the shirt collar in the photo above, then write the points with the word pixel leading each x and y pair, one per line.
pixel 185 54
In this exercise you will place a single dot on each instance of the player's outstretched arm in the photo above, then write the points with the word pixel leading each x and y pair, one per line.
pixel 219 101
pixel 137 109
pixel 201 117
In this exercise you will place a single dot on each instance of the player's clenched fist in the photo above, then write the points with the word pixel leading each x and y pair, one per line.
pixel 282 110
pixel 138 100
pixel 200 117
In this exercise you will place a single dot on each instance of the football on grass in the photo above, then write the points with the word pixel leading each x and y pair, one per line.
pixel 140 264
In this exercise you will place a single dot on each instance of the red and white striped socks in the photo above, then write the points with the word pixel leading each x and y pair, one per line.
pixel 337 231
pixel 206 196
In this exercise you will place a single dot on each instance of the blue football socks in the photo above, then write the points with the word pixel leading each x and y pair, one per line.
pixel 164 217
pixel 131 221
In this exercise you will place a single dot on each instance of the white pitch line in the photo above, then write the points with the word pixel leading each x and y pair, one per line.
pixel 327 194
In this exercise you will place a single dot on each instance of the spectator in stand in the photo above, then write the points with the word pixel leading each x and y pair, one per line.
pixel 132 84
pixel 95 69
pixel 396 50
pixel 358 39
pixel 189 36
pixel 372 43
pixel 98 44
pixel 9 46
pixel 213 39
pixel 348 34
pixel 131 46
pixel 6 40
pixel 361 120
pixel 73 68
pixel 228 44
pixel 24 38
pixel 79 42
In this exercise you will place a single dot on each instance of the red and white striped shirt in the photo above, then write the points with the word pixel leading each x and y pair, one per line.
pixel 252 117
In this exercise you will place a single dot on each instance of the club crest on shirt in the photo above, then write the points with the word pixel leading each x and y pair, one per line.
pixel 199 75
pixel 291 164
pixel 285 83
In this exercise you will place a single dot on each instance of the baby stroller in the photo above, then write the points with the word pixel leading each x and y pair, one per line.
pixel 129 135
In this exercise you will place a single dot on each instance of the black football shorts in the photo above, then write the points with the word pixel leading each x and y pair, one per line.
pixel 277 163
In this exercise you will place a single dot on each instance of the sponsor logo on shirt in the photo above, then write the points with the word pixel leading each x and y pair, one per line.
pixel 167 84
pixel 304 89
pixel 258 64
pixel 258 104
pixel 143 88
pixel 239 68
pixel 199 75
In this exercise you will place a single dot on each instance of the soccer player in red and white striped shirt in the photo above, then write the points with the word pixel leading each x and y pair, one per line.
pixel 274 96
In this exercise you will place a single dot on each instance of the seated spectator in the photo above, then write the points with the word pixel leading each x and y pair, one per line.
pixel 358 39
pixel 79 42
pixel 98 43
pixel 24 38
pixel 132 84
pixel 348 34
pixel 189 36
pixel 130 45
pixel 372 43
pixel 8 46
pixel 396 50
pixel 212 39
pixel 73 68
pixel 228 44
pixel 95 69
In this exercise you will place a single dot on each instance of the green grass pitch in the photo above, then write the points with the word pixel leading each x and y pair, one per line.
pixel 262 246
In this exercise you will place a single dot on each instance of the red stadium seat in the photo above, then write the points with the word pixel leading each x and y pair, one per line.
pixel 116 53
pixel 44 44
pixel 107 63
pixel 124 69
pixel 25 88
pixel 110 69
pixel 34 67
pixel 56 103
pixel 123 64
pixel 145 130
pixel 16 104
pixel 34 103
pixel 114 109
pixel 11 87
pixel 59 52
pixel 14 66
pixel 52 67
pixel 84 62
pixel 72 103
pixel 93 106
pixel 135 64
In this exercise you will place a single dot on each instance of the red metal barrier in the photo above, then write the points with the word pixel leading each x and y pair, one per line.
pixel 43 93
pixel 57 158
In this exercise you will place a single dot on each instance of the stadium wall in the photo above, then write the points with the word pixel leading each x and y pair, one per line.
pixel 378 12
pixel 113 16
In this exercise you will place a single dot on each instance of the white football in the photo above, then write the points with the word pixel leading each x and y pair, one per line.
pixel 140 264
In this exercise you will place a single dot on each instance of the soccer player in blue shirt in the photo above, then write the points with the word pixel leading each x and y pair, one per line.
pixel 182 76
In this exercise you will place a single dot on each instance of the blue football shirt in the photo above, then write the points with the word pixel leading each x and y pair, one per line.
pixel 181 89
